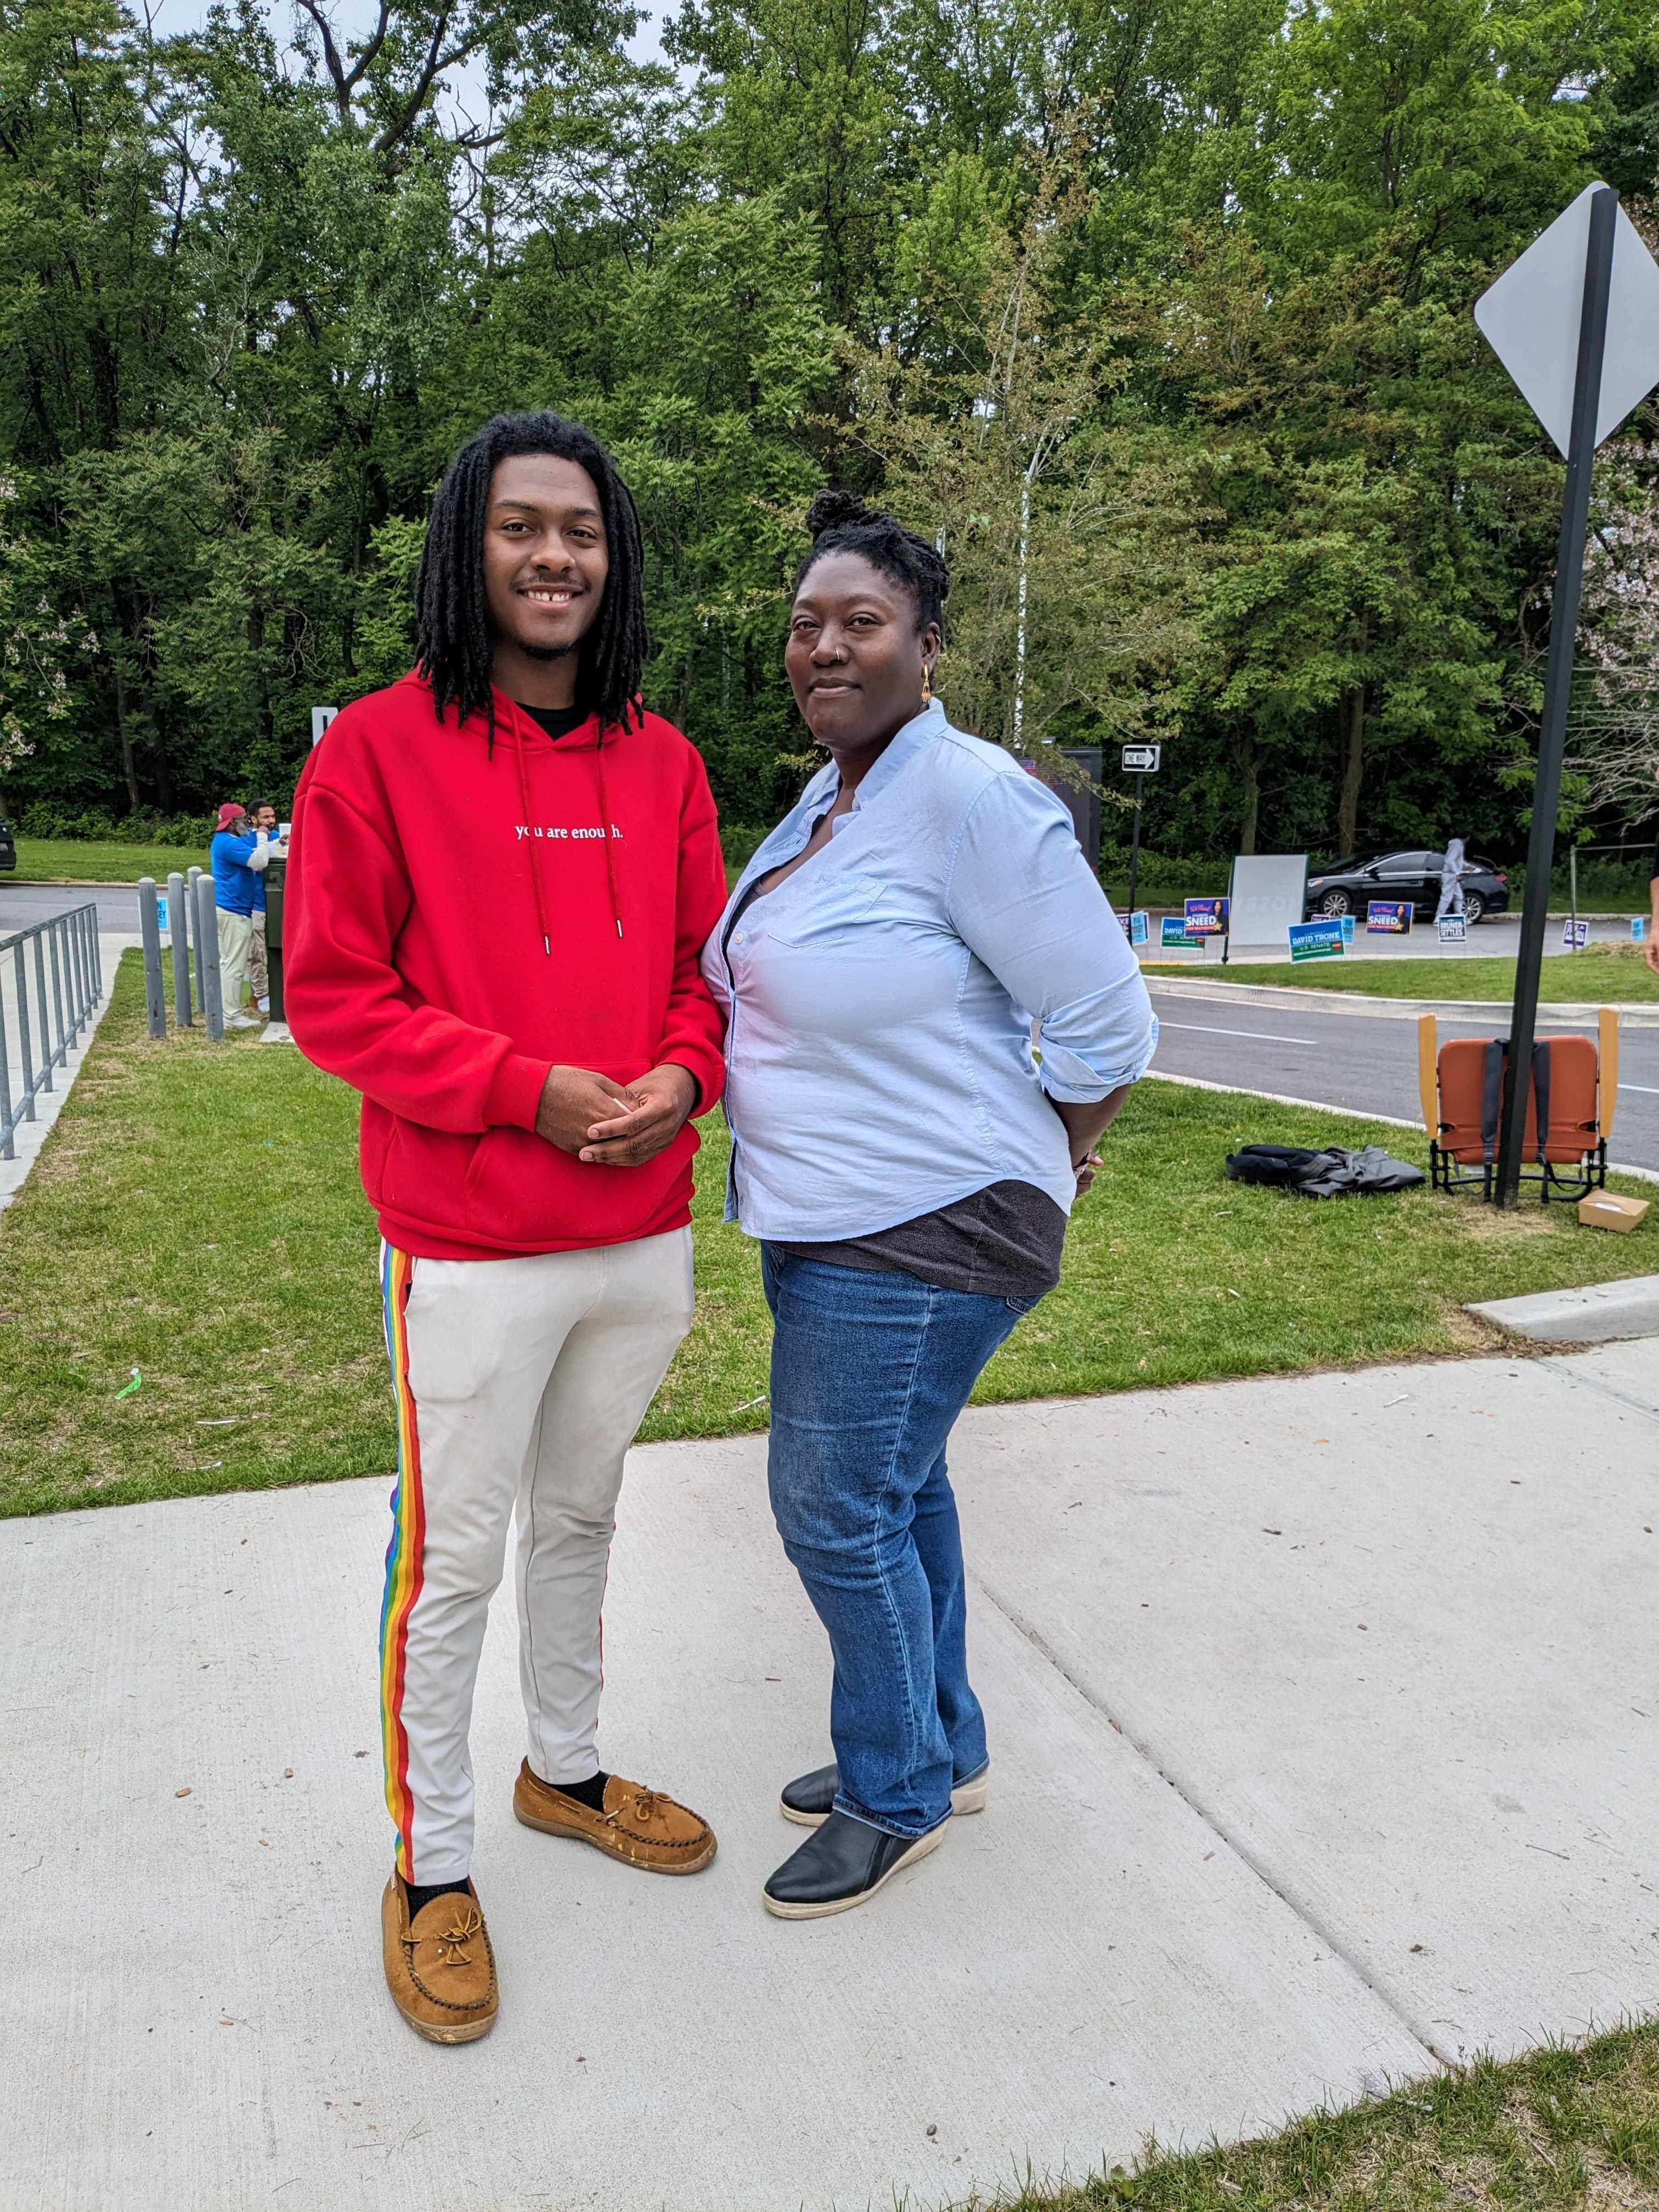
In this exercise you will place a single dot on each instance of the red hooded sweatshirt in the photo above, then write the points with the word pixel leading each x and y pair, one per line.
pixel 457 921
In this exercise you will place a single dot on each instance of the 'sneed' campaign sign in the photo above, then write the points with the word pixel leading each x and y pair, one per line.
pixel 1316 940
pixel 1172 930
pixel 1206 917
pixel 1389 917
pixel 1574 935
pixel 1453 928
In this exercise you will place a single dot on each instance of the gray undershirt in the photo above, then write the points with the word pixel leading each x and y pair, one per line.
pixel 1003 1241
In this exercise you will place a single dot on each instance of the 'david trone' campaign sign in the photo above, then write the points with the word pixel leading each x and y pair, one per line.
pixel 1317 940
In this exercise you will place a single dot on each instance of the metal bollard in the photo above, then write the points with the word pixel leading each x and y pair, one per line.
pixel 183 1013
pixel 192 877
pixel 207 959
pixel 150 929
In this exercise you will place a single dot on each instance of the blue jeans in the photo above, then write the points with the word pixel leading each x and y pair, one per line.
pixel 869 1372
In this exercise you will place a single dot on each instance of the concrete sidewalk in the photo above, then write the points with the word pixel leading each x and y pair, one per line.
pixel 1325 1720
pixel 31 1135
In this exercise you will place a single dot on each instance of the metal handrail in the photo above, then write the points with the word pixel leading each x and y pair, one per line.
pixel 66 945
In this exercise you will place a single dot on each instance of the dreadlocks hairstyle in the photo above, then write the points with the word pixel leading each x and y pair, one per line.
pixel 455 651
pixel 840 522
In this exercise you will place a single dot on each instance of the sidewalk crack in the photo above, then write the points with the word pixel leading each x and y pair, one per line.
pixel 1575 1378
pixel 1420 2031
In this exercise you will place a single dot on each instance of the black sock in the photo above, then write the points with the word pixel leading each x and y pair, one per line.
pixel 422 1893
pixel 590 1793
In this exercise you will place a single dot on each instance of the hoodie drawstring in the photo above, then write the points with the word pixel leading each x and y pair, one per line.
pixel 605 824
pixel 530 842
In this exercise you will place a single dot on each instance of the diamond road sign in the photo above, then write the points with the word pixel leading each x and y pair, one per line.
pixel 1530 317
pixel 1141 760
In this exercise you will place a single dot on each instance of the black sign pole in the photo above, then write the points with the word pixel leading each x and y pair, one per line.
pixel 1134 840
pixel 275 886
pixel 1558 687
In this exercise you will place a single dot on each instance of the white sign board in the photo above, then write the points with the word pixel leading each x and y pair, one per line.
pixel 320 719
pixel 1141 760
pixel 1529 318
pixel 1269 897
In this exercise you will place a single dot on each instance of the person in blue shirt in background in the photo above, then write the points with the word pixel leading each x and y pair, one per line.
pixel 238 858
pixel 905 1161
pixel 262 820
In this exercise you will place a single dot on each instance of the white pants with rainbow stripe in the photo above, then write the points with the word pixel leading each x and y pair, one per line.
pixel 520 1385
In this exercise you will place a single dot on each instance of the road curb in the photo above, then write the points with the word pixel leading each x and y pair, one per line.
pixel 1635 1014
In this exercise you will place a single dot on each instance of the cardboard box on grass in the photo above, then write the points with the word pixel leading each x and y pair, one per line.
pixel 1604 1209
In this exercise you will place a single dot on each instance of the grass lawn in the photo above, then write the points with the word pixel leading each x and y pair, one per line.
pixel 81 860
pixel 196 1214
pixel 1600 973
pixel 1559 2128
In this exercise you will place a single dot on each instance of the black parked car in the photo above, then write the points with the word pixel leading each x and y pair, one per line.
pixel 7 848
pixel 1347 887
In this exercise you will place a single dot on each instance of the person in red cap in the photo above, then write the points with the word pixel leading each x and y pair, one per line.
pixel 236 854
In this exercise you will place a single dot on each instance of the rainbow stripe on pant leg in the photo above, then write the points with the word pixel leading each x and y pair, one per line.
pixel 403 1557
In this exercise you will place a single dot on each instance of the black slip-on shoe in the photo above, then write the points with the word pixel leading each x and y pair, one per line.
pixel 810 1798
pixel 841 1863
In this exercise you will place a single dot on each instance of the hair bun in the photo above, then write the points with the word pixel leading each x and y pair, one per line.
pixel 833 510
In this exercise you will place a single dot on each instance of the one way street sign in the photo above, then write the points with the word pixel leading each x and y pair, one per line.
pixel 1141 760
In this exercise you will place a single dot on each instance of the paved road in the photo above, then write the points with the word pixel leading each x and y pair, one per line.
pixel 1369 1062
pixel 22 904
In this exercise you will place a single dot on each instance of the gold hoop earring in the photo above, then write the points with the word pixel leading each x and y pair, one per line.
pixel 927 685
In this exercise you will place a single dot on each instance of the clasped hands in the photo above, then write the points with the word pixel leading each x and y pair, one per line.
pixel 615 1124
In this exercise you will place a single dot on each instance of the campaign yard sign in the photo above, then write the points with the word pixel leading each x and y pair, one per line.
pixel 1639 929
pixel 1348 929
pixel 1206 917
pixel 1172 930
pixel 1317 940
pixel 1453 928
pixel 1139 924
pixel 1389 918
pixel 1574 935
pixel 160 910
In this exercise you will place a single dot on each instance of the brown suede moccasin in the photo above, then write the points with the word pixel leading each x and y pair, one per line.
pixel 639 1826
pixel 440 1970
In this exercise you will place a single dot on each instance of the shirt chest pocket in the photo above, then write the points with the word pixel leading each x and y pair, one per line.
pixel 828 913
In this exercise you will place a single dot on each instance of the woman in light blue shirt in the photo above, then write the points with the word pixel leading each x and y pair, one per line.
pixel 905 1162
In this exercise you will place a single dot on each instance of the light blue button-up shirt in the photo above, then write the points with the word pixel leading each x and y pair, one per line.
pixel 879 1003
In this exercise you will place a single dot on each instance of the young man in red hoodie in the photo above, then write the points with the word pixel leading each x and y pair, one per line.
pixel 502 872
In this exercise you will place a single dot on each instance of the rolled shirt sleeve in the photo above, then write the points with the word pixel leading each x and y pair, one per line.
pixel 1026 902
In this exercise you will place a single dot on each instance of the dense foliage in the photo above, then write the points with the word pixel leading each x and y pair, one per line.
pixel 1181 288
